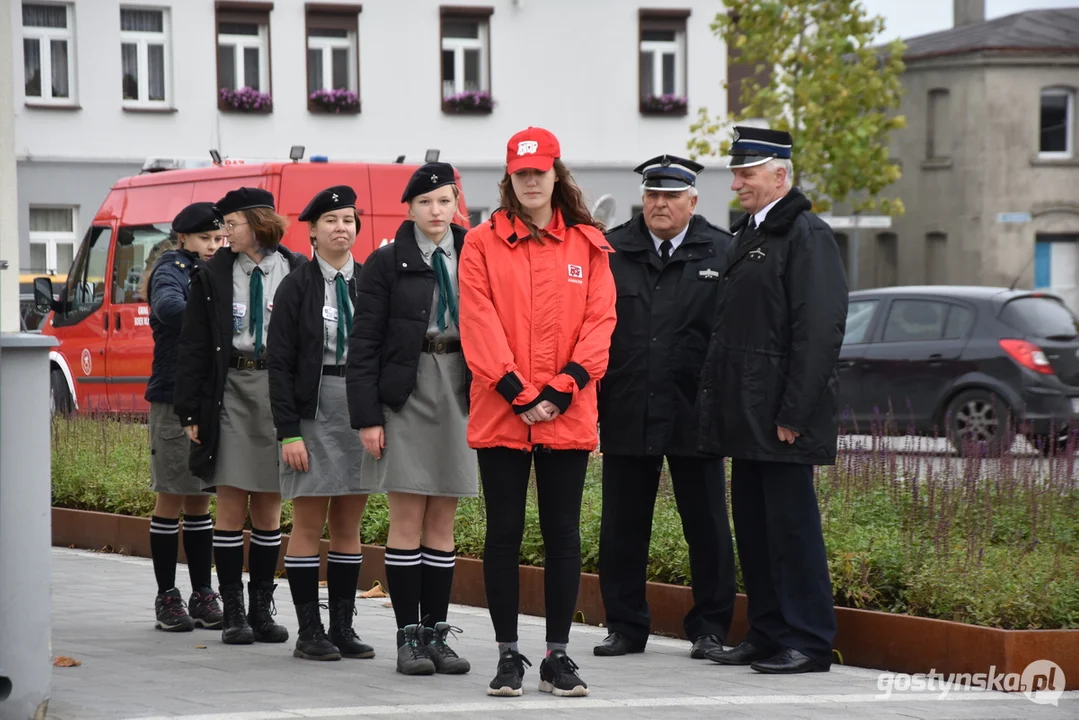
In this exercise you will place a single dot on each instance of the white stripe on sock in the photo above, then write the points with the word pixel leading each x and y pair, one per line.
pixel 401 563
pixel 228 541
pixel 345 559
pixel 438 563
pixel 265 541
pixel 301 562
pixel 158 531
pixel 198 525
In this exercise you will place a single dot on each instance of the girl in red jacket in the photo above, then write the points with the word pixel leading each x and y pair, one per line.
pixel 537 313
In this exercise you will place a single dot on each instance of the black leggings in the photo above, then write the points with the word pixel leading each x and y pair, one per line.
pixel 559 484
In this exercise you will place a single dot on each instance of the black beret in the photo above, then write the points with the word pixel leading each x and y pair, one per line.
pixel 245 198
pixel 427 178
pixel 330 199
pixel 197 218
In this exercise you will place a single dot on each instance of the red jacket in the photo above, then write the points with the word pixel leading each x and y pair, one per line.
pixel 535 315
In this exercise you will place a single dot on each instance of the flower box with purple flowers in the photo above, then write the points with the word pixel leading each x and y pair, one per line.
pixel 245 99
pixel 336 101
pixel 472 101
pixel 664 105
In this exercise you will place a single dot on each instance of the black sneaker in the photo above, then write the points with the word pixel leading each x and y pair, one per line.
pixel 171 614
pixel 511 671
pixel 558 675
pixel 204 608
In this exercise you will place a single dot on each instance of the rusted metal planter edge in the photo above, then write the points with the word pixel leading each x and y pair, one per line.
pixel 865 638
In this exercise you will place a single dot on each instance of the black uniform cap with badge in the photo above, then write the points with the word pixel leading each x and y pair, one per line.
pixel 668 173
pixel 330 199
pixel 752 146
pixel 428 177
pixel 245 198
pixel 200 217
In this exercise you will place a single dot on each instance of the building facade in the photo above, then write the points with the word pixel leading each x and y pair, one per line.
pixel 102 86
pixel 989 158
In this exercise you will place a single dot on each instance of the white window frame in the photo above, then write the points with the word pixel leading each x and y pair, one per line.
pixel 142 40
pixel 1069 119
pixel 45 36
pixel 458 47
pixel 50 239
pixel 326 46
pixel 239 43
pixel 659 48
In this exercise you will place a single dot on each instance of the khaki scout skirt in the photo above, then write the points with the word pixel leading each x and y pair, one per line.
pixel 169 446
pixel 247 449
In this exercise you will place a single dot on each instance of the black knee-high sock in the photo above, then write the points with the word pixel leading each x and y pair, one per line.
pixel 404 575
pixel 343 574
pixel 302 572
pixel 199 548
pixel 164 544
pixel 262 554
pixel 229 556
pixel 437 581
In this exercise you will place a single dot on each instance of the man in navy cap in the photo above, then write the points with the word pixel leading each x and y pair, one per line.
pixel 768 400
pixel 667 267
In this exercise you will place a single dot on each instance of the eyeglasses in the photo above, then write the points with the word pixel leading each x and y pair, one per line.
pixel 230 226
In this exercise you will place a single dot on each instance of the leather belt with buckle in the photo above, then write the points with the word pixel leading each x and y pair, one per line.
pixel 242 362
pixel 441 347
pixel 338 370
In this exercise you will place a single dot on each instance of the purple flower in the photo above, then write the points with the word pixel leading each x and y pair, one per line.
pixel 246 99
pixel 470 100
pixel 664 103
pixel 335 100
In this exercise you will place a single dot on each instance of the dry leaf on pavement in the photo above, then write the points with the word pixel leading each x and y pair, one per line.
pixel 376 591
pixel 64 661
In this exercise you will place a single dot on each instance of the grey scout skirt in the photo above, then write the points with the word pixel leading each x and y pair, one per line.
pixel 247 451
pixel 169 448
pixel 334 451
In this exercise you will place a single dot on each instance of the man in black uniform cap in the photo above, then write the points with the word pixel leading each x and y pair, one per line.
pixel 667 267
pixel 768 400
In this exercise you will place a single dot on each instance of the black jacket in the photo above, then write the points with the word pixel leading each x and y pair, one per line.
pixel 295 344
pixel 205 349
pixel 389 326
pixel 168 286
pixel 665 316
pixel 779 327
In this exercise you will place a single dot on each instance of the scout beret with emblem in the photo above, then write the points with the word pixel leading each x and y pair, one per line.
pixel 428 177
pixel 754 146
pixel 245 198
pixel 330 199
pixel 197 217
pixel 668 172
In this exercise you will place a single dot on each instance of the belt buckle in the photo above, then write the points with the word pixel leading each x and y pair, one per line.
pixel 249 364
pixel 440 347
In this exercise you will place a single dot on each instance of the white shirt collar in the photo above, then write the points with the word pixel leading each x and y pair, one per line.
pixel 760 216
pixel 675 241
pixel 329 272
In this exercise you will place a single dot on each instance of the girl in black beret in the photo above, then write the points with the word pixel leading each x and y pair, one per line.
pixel 196 236
pixel 223 400
pixel 408 397
pixel 321 454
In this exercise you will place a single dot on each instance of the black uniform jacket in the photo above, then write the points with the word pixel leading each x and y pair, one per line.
pixel 170 280
pixel 205 349
pixel 389 326
pixel 779 327
pixel 295 345
pixel 665 316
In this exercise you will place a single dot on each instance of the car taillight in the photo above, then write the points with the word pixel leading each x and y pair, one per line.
pixel 1028 355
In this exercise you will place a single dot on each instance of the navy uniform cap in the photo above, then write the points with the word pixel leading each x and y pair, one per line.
pixel 428 177
pixel 668 173
pixel 197 217
pixel 330 199
pixel 245 198
pixel 756 146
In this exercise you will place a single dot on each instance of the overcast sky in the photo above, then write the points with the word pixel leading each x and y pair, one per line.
pixel 908 18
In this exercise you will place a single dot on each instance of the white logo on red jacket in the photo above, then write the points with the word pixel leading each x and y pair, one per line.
pixel 527 147
pixel 576 274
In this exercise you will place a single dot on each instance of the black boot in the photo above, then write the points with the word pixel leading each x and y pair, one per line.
pixel 235 629
pixel 341 633
pixel 311 642
pixel 262 611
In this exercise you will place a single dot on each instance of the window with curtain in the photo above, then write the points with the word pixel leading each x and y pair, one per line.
pixel 937 137
pixel 1057 122
pixel 662 57
pixel 466 52
pixel 48 44
pixel 332 51
pixel 52 239
pixel 144 57
pixel 243 50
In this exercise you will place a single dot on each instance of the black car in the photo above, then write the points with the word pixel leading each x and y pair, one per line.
pixel 975 364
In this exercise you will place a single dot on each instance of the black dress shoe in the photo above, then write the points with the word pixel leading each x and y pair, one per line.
pixel 703 645
pixel 789 662
pixel 745 653
pixel 617 644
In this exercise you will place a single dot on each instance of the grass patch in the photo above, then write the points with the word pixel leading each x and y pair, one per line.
pixel 992 543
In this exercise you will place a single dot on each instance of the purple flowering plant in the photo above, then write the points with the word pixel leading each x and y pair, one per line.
pixel 470 100
pixel 335 101
pixel 664 103
pixel 246 99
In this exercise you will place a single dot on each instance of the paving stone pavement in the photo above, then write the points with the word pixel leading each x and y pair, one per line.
pixel 103 617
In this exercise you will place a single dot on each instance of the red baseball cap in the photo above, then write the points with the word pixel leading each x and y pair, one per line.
pixel 533 148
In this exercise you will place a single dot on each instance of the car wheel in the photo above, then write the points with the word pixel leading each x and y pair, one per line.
pixel 1047 446
pixel 60 394
pixel 980 424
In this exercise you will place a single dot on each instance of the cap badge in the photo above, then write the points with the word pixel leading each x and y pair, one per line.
pixel 665 162
pixel 334 196
pixel 527 147
pixel 217 223
pixel 736 136
pixel 434 178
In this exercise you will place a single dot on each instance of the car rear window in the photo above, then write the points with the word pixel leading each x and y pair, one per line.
pixel 1041 317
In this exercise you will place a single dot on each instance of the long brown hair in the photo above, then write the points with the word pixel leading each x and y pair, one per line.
pixel 267 226
pixel 567 198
